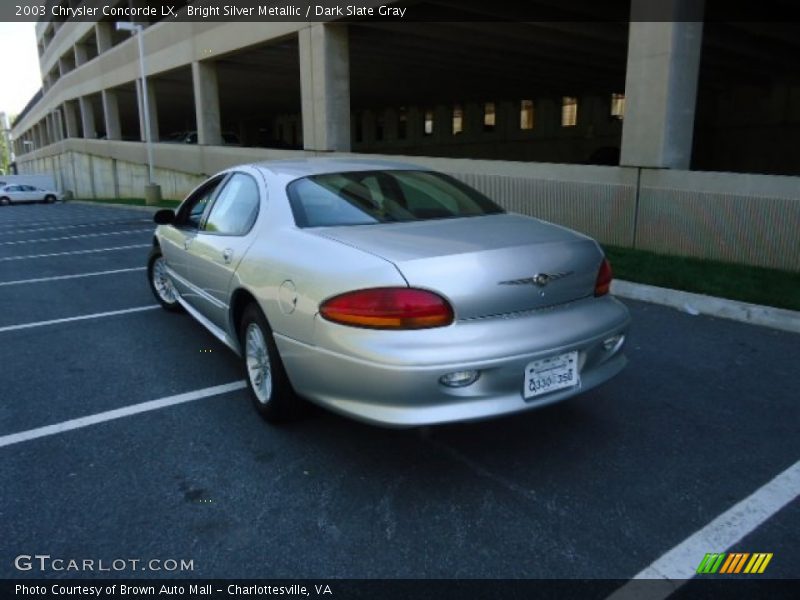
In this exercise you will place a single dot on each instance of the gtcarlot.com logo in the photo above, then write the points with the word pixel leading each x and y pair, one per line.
pixel 732 563
pixel 45 562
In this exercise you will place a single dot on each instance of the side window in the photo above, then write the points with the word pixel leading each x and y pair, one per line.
pixel 191 211
pixel 235 208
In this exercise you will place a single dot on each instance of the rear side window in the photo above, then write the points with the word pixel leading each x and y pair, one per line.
pixel 359 198
pixel 235 208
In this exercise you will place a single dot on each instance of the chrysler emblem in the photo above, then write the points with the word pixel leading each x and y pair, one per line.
pixel 539 279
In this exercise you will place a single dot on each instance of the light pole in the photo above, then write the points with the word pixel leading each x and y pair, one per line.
pixel 152 192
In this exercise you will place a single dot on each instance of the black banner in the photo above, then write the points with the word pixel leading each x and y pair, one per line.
pixel 150 11
pixel 402 589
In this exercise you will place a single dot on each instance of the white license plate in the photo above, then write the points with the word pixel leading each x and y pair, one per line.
pixel 550 374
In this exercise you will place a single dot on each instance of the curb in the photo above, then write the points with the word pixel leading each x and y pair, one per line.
pixel 699 304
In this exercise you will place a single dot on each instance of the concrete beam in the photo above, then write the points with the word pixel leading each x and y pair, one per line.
pixel 661 87
pixel 325 87
pixel 206 103
pixel 111 115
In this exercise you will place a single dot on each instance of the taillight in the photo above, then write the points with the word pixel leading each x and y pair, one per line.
pixel 388 308
pixel 604 276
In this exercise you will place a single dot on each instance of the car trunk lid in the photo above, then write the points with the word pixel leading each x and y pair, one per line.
pixel 485 266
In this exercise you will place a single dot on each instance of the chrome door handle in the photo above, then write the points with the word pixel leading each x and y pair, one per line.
pixel 186 243
pixel 227 255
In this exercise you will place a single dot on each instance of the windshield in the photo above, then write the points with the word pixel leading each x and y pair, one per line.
pixel 364 197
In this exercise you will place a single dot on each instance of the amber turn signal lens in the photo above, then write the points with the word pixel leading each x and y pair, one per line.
pixel 604 276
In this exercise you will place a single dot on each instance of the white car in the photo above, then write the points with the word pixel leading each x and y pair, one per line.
pixel 18 192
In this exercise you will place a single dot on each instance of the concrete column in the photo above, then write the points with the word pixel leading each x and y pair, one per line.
pixel 49 129
pixel 80 54
pixel 151 101
pixel 59 125
pixel 70 120
pixel 661 86
pixel 206 103
pixel 102 33
pixel 111 115
pixel 54 134
pixel 325 87
pixel 87 118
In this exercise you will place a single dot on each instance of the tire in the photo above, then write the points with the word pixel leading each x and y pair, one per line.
pixel 270 389
pixel 160 283
pixel 49 199
pixel 4 201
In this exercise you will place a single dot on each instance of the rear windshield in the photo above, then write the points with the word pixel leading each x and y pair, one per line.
pixel 364 197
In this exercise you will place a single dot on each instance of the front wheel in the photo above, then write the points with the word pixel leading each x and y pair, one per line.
pixel 4 201
pixel 160 283
pixel 49 199
pixel 270 389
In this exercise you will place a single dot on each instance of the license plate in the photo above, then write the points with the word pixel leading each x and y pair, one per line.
pixel 550 374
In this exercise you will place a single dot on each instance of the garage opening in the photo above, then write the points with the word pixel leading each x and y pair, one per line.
pixel 259 95
pixel 537 91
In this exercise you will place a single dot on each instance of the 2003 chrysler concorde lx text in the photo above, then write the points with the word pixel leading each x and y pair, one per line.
pixel 386 292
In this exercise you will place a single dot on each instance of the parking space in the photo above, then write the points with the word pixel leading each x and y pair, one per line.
pixel 598 487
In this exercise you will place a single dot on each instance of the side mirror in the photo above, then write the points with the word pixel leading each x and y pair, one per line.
pixel 165 216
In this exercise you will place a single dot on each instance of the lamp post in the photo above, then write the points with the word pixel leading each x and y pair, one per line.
pixel 152 192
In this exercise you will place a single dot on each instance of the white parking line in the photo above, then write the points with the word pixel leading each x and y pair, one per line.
pixel 27 256
pixel 118 413
pixel 75 237
pixel 95 224
pixel 46 222
pixel 679 565
pixel 111 313
pixel 76 276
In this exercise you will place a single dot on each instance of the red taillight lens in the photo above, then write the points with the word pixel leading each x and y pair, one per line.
pixel 388 308
pixel 604 276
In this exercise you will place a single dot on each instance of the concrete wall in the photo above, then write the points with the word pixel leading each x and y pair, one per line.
pixel 741 218
pixel 42 179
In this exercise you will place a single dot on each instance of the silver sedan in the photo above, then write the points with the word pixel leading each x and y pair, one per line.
pixel 387 292
pixel 16 192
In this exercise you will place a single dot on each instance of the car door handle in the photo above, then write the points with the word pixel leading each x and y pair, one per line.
pixel 227 255
pixel 186 243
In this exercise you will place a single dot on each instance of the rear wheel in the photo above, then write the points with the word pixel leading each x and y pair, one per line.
pixel 270 389
pixel 160 283
pixel 49 199
pixel 4 201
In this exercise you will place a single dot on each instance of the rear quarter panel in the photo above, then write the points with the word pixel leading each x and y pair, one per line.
pixel 312 268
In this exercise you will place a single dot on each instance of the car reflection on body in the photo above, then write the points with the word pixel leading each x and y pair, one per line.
pixel 386 292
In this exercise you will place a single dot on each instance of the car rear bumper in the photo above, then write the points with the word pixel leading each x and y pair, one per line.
pixel 392 378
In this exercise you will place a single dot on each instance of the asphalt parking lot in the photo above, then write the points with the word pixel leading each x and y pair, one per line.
pixel 706 413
